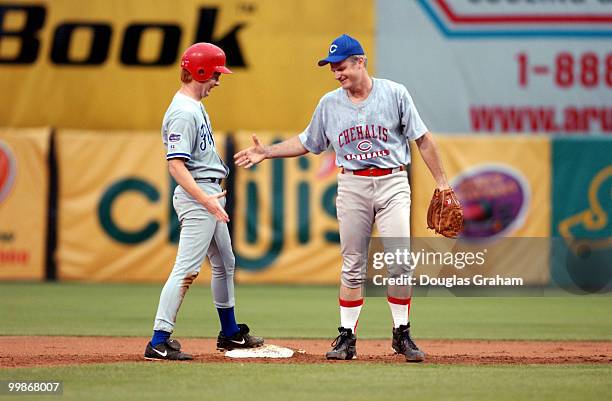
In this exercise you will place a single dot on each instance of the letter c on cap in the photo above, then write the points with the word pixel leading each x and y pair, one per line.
pixel 333 48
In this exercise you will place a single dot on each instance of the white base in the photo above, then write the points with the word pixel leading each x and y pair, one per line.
pixel 265 351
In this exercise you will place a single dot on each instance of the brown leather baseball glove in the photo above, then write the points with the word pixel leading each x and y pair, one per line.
pixel 445 214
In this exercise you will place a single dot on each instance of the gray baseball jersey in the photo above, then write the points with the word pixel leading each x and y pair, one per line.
pixel 373 133
pixel 187 133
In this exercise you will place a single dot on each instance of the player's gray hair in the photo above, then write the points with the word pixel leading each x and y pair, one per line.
pixel 356 58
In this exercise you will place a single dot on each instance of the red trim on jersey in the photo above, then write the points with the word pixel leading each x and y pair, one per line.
pixel 350 304
pixel 399 301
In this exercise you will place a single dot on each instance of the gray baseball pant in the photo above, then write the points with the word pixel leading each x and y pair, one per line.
pixel 201 234
pixel 361 202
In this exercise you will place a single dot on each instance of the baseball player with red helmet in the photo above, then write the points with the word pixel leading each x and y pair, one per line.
pixel 195 164
pixel 368 122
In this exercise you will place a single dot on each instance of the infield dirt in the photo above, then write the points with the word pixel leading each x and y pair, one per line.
pixel 24 351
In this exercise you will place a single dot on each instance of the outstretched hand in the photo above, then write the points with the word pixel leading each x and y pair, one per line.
pixel 249 157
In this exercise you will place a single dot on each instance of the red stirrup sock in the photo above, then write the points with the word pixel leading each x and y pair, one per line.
pixel 400 310
pixel 349 313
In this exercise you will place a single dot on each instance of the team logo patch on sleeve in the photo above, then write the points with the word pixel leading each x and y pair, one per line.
pixel 174 137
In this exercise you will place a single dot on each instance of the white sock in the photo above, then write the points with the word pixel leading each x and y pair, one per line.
pixel 349 313
pixel 400 308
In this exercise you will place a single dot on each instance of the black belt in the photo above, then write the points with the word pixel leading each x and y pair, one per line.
pixel 210 180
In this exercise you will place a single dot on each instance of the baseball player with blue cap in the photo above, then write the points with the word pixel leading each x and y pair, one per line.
pixel 368 122
pixel 195 164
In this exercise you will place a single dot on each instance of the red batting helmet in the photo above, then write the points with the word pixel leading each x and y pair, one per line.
pixel 202 60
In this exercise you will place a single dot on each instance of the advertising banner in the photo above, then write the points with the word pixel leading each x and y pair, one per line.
pixel 24 184
pixel 112 64
pixel 504 186
pixel 582 214
pixel 284 227
pixel 504 66
pixel 117 222
pixel 115 211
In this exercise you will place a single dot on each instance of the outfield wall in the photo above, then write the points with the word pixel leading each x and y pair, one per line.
pixel 475 66
pixel 116 222
pixel 88 199
pixel 116 62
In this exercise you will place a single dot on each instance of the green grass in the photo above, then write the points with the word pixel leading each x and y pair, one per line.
pixel 298 312
pixel 159 381
pixel 284 311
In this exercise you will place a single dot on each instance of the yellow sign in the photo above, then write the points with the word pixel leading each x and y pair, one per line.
pixel 115 209
pixel 504 186
pixel 506 172
pixel 117 222
pixel 285 226
pixel 117 62
pixel 23 203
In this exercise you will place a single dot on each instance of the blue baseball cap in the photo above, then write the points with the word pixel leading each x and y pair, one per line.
pixel 342 47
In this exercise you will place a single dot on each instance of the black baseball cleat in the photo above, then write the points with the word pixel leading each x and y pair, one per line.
pixel 403 344
pixel 344 346
pixel 242 339
pixel 170 350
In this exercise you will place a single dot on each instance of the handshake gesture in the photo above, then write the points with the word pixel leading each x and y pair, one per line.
pixel 251 156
